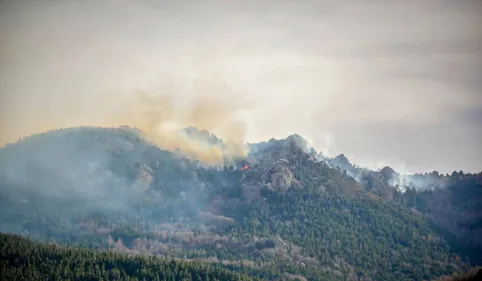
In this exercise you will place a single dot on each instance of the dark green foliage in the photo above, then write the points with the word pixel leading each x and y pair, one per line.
pixel 21 259
pixel 373 237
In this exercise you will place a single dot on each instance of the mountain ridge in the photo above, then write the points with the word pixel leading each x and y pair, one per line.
pixel 110 188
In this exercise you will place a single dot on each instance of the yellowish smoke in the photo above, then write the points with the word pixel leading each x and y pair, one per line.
pixel 160 119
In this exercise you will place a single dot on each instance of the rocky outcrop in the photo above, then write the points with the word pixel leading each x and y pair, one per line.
pixel 388 174
pixel 280 177
pixel 144 179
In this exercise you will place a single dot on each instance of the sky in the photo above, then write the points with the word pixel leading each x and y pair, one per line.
pixel 394 83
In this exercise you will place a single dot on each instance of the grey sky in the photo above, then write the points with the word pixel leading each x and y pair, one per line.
pixel 385 82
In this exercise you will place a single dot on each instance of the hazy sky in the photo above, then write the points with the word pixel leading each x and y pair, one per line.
pixel 384 82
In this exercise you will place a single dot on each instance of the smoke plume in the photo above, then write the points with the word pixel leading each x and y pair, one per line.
pixel 160 120
pixel 159 114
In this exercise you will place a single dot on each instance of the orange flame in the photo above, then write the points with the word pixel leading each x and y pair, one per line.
pixel 245 167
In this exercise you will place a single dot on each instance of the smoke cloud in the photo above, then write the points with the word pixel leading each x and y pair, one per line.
pixel 160 114
pixel 378 81
pixel 161 121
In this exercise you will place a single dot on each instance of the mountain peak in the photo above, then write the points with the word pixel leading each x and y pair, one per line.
pixel 200 135
pixel 297 139
pixel 388 171
pixel 342 160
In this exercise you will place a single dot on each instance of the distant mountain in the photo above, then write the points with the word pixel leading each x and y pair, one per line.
pixel 451 201
pixel 284 210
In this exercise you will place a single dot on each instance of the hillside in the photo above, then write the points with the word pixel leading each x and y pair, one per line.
pixel 21 259
pixel 453 201
pixel 282 211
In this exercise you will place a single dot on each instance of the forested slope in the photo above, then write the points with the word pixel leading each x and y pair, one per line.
pixel 21 260
pixel 281 212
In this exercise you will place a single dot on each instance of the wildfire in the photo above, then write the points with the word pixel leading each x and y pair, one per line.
pixel 245 167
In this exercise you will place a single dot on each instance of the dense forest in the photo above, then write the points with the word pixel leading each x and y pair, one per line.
pixel 284 211
pixel 21 259
pixel 452 201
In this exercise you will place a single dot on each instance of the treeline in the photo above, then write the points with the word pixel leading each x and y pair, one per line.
pixel 21 259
